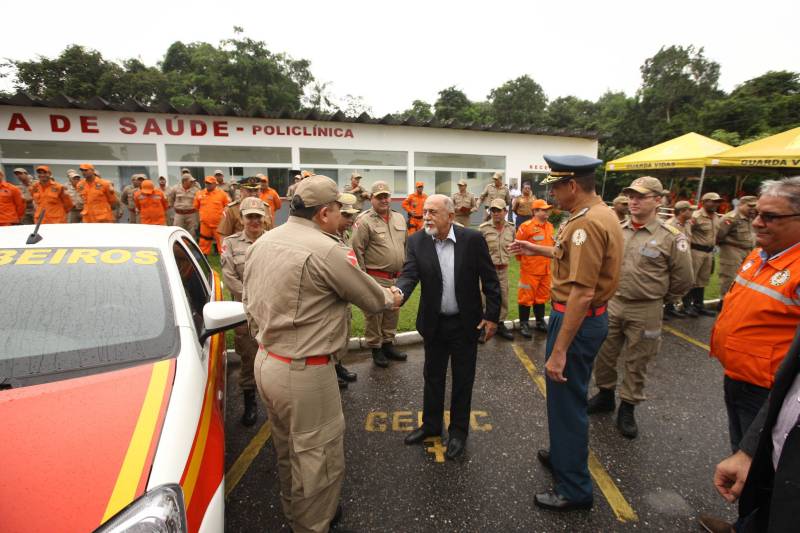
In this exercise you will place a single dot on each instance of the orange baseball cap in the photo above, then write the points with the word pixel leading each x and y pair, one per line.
pixel 211 179
pixel 419 184
pixel 540 204
pixel 147 185
pixel 86 166
pixel 43 167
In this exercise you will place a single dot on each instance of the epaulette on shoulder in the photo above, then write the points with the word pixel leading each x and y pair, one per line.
pixel 232 203
pixel 579 213
pixel 487 223
pixel 672 229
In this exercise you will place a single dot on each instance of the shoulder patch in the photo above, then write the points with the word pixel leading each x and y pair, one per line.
pixel 579 213
pixel 351 257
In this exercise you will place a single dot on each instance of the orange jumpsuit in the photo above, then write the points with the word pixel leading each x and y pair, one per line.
pixel 55 200
pixel 98 197
pixel 152 206
pixel 271 198
pixel 413 206
pixel 534 272
pixel 12 205
pixel 210 205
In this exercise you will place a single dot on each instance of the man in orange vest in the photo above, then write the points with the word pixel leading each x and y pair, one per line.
pixel 534 271
pixel 762 307
pixel 210 202
pixel 269 196
pixel 51 196
pixel 151 204
pixel 413 206
pixel 99 198
pixel 12 205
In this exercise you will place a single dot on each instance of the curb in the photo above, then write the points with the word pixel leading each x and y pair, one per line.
pixel 413 337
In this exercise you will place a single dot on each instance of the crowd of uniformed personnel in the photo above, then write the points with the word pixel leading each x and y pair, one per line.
pixel 663 262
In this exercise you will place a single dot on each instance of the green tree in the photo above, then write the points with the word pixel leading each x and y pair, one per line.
pixel 451 104
pixel 519 102
pixel 571 113
pixel 773 83
pixel 420 110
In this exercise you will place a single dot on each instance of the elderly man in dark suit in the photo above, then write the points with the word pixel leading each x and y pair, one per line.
pixel 453 265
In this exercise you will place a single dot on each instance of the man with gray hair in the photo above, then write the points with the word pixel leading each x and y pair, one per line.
pixel 751 337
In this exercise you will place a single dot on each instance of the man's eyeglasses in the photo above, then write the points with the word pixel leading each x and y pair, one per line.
pixel 772 217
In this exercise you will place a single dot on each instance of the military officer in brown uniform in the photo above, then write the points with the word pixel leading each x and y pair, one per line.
pixel 499 234
pixel 496 189
pixel 74 215
pixel 234 249
pixel 586 263
pixel 736 239
pixel 126 197
pixel 225 187
pixel 181 199
pixel 294 371
pixel 465 203
pixel 231 220
pixel 656 265
pixel 379 242
pixel 357 190
pixel 25 183
pixel 522 205
pixel 682 212
pixel 620 207
pixel 705 225
pixel 345 234
pixel 293 186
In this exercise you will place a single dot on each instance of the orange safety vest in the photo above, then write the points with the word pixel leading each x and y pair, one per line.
pixel 272 199
pixel 55 201
pixel 12 205
pixel 152 206
pixel 211 205
pixel 414 203
pixel 537 233
pixel 98 197
pixel 759 317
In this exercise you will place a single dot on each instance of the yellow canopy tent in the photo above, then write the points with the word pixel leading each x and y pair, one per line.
pixel 687 151
pixel 778 151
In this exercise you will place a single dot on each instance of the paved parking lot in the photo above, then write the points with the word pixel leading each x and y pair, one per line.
pixel 660 481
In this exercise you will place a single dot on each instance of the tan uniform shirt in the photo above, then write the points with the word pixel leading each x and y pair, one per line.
pixel 465 203
pixel 226 187
pixel 736 230
pixel 492 191
pixel 183 199
pixel 28 197
pixel 656 263
pixel 359 192
pixel 126 196
pixel 298 284
pixel 232 221
pixel 522 205
pixel 704 228
pixel 588 252
pixel 234 249
pixel 685 228
pixel 498 241
pixel 77 199
pixel 380 245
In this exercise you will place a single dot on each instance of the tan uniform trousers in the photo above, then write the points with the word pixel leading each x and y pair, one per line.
pixel 381 328
pixel 305 410
pixel 246 346
pixel 701 262
pixel 339 355
pixel 730 259
pixel 634 336
pixel 463 220
pixel 188 222
pixel 502 275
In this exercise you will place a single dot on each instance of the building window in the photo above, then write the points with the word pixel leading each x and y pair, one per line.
pixel 445 181
pixel 460 161
pixel 42 152
pixel 358 158
pixel 178 153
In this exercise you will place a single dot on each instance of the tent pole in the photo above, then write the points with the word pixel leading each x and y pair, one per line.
pixel 700 186
pixel 603 190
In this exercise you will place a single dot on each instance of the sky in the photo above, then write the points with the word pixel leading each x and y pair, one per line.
pixel 391 53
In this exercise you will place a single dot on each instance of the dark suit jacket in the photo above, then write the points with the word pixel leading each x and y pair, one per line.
pixel 770 498
pixel 473 267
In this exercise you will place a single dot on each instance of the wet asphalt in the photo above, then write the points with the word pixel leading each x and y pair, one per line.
pixel 665 474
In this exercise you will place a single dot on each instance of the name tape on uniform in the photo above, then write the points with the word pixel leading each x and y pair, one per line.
pixel 73 256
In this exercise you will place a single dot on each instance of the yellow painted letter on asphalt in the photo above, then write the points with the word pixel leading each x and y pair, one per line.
pixel 376 421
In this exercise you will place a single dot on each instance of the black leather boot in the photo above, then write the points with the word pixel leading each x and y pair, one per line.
pixel 345 374
pixel 392 353
pixel 688 307
pixel 538 312
pixel 626 423
pixel 250 408
pixel 379 358
pixel 602 402
pixel 525 330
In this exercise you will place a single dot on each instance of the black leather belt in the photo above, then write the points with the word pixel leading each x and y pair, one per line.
pixel 701 248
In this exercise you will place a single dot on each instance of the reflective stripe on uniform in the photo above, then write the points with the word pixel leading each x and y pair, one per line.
pixel 767 292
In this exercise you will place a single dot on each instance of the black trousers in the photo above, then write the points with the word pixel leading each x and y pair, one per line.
pixel 449 343
pixel 743 401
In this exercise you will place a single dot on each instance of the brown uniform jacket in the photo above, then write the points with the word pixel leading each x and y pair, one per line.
pixel 465 203
pixel 126 196
pixel 183 199
pixel 685 228
pixel 737 231
pixel 588 252
pixel 232 221
pixel 77 199
pixel 492 191
pixel 234 249
pixel 498 241
pixel 522 205
pixel 359 192
pixel 380 245
pixel 656 263
pixel 298 282
pixel 704 228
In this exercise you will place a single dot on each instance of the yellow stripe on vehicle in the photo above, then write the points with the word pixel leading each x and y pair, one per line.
pixel 132 465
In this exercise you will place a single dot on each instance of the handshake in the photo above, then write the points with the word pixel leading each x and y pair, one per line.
pixel 397 297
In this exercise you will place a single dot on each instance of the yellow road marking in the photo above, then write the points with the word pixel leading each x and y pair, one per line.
pixel 133 463
pixel 435 447
pixel 622 509
pixel 687 338
pixel 243 462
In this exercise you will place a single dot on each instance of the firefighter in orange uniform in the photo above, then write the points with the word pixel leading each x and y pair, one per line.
pixel 210 202
pixel 12 205
pixel 269 196
pixel 534 271
pixel 99 198
pixel 762 308
pixel 413 206
pixel 51 196
pixel 151 204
